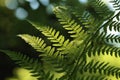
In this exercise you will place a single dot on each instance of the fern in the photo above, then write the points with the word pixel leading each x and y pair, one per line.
pixel 57 39
pixel 36 42
pixel 114 25
pixel 116 4
pixel 73 28
pixel 97 67
pixel 49 54
pixel 83 56
pixel 98 9
pixel 26 62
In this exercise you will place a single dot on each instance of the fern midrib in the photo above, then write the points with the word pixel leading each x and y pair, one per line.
pixel 54 38
pixel 87 42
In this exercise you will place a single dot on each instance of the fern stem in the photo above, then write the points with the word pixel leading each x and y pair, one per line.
pixel 85 46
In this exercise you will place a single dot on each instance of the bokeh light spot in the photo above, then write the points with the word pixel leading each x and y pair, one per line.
pixel 49 9
pixel 11 4
pixel 21 13
pixel 45 2
pixel 34 5
pixel 83 1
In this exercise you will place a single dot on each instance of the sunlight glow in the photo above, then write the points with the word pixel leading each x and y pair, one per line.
pixel 83 1
pixel 107 2
pixel 113 60
pixel 23 74
pixel 2 3
pixel 11 4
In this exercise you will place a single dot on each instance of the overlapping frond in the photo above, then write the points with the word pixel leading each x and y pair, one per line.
pixel 89 23
pixel 37 43
pixel 61 68
pixel 85 19
pixel 114 25
pixel 103 38
pixel 116 4
pixel 89 77
pixel 56 61
pixel 34 66
pixel 103 50
pixel 56 39
pixel 98 69
pixel 95 15
pixel 99 9
pixel 74 29
pixel 105 54
pixel 49 57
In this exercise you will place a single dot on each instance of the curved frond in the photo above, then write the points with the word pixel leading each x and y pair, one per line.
pixel 104 54
pixel 114 25
pixel 116 4
pixel 54 36
pixel 104 50
pixel 38 44
pixel 112 38
pixel 85 19
pixel 74 29
pixel 57 39
pixel 99 9
pixel 106 39
pixel 53 61
pixel 26 62
pixel 98 69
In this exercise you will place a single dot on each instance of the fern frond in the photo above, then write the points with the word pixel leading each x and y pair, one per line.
pixel 112 38
pixel 99 9
pixel 105 38
pixel 100 69
pixel 50 58
pixel 104 50
pixel 58 67
pixel 102 32
pixel 74 29
pixel 111 24
pixel 26 62
pixel 38 44
pixel 85 19
pixel 105 54
pixel 57 39
pixel 54 36
pixel 114 25
pixel 116 4
pixel 91 77
pixel 89 20
pixel 117 16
